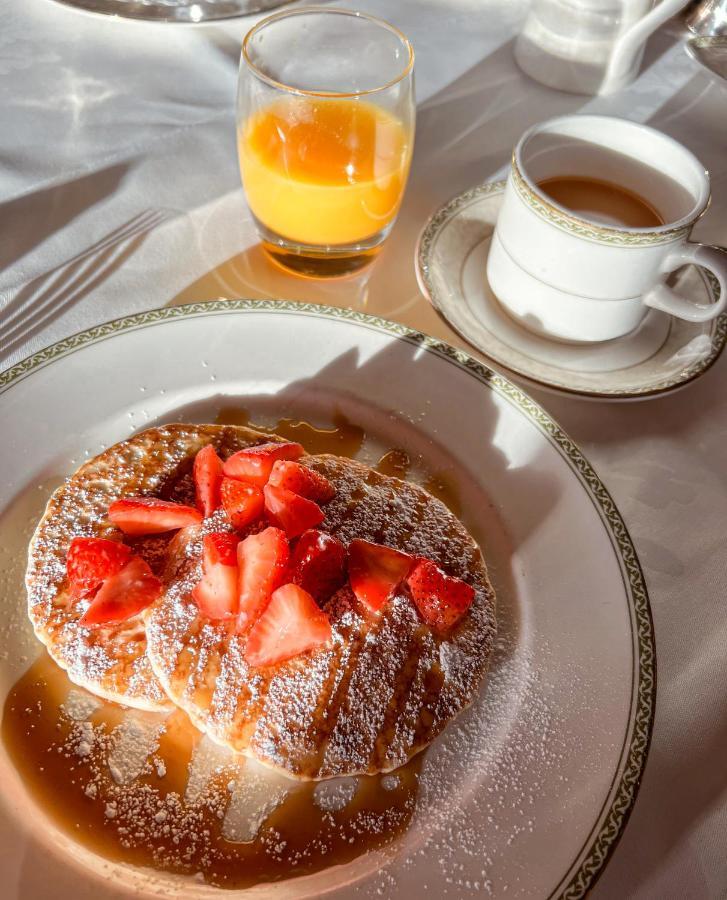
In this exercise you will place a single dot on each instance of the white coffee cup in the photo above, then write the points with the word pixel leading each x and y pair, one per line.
pixel 572 278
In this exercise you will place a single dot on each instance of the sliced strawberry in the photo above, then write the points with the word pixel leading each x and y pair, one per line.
pixel 124 594
pixel 219 549
pixel 441 599
pixel 291 624
pixel 319 564
pixel 301 480
pixel 216 593
pixel 243 502
pixel 91 560
pixel 207 479
pixel 149 515
pixel 375 572
pixel 262 561
pixel 254 464
pixel 292 513
pixel 176 549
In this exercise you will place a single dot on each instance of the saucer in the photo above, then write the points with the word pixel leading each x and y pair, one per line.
pixel 662 354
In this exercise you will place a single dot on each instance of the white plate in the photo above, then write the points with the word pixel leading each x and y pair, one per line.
pixel 527 793
pixel 662 354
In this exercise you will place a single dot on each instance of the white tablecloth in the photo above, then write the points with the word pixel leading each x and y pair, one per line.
pixel 120 192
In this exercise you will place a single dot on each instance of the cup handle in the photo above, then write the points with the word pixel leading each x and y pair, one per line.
pixel 629 44
pixel 663 297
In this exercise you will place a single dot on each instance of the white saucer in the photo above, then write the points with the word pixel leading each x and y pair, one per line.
pixel 662 354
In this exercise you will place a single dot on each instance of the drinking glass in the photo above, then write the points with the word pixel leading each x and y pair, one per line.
pixel 325 130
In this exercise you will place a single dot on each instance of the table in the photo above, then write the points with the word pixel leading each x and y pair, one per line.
pixel 120 192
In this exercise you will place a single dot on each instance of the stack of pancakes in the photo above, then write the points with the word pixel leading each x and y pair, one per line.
pixel 379 693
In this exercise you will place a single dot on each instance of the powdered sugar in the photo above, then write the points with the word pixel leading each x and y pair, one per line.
pixel 336 793
pixel 79 705
pixel 135 739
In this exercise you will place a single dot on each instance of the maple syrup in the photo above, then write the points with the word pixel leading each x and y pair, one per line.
pixel 343 439
pixel 149 823
pixel 395 462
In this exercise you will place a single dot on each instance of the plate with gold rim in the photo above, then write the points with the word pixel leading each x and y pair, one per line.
pixel 663 354
pixel 525 794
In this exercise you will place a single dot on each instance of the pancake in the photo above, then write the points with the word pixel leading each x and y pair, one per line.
pixel 383 689
pixel 110 661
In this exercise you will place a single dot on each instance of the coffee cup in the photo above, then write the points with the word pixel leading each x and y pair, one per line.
pixel 578 269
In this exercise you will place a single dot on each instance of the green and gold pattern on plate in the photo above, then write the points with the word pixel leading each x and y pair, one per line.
pixel 600 234
pixel 623 795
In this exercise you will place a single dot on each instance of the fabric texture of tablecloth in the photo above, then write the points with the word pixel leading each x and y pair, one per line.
pixel 119 192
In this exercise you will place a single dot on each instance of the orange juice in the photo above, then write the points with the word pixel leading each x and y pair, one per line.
pixel 324 172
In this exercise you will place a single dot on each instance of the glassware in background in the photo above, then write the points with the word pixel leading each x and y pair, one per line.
pixel 710 51
pixel 325 131
pixel 708 18
pixel 187 11
pixel 589 46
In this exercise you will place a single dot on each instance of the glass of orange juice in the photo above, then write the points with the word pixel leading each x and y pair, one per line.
pixel 325 131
